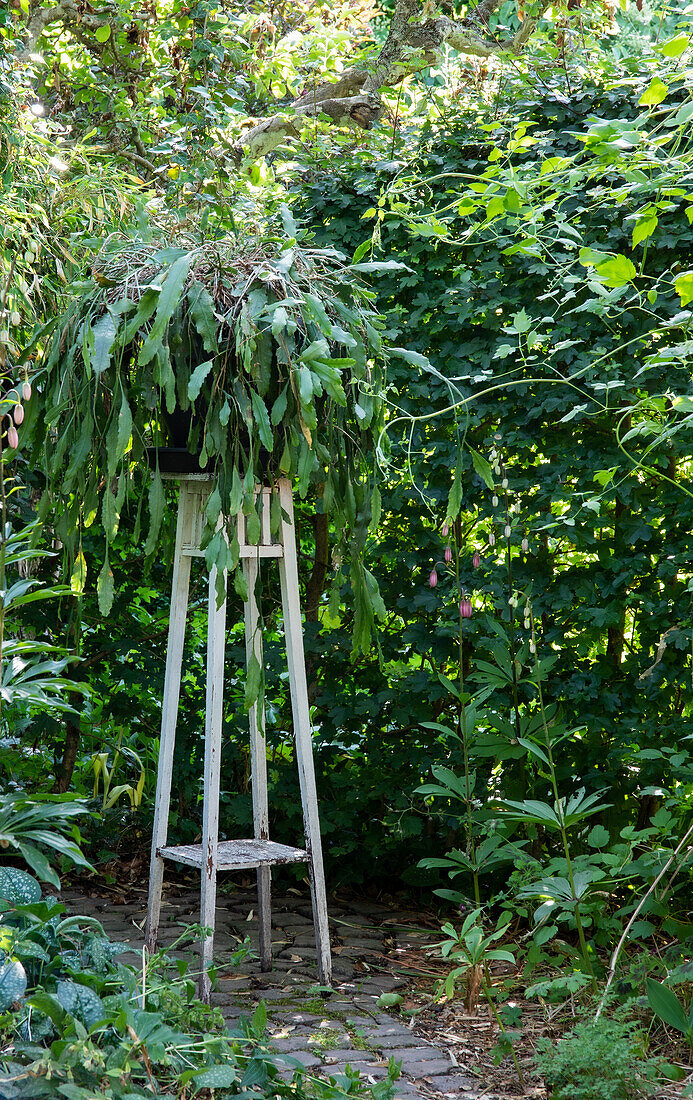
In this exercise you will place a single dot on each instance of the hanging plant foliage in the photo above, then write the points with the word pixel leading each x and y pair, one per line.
pixel 251 364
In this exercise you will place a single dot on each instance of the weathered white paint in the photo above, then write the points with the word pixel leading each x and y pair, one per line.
pixel 213 856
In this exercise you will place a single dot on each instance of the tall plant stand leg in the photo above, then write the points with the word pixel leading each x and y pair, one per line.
pixel 293 629
pixel 169 710
pixel 260 853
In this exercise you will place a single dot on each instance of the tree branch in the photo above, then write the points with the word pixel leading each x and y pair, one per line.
pixel 354 99
pixel 65 11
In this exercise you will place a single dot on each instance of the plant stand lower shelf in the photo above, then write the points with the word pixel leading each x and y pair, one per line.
pixel 238 855
pixel 259 852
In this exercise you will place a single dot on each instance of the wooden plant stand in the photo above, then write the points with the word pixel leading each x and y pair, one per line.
pixel 212 855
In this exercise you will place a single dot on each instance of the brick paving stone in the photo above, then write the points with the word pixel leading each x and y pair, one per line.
pixel 451 1084
pixel 397 1041
pixel 424 1054
pixel 306 1059
pixel 358 980
pixel 418 1070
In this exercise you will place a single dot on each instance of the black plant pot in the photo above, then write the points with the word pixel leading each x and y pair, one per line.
pixel 175 458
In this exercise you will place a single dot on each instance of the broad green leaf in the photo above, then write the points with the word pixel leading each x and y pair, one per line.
pixel 102 34
pixel 667 1006
pixel 674 47
pixel 253 681
pixel 455 494
pixel 617 271
pixel 262 421
pixel 644 228
pixel 655 93
pixel 221 1076
pixel 318 312
pixel 13 982
pixel 18 887
pixel 81 1002
pixel 413 357
pixel 169 299
pixel 684 287
pixel 279 407
pixel 535 750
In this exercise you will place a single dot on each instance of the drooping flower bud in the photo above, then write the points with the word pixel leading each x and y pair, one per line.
pixel 26 390
pixel 433 579
pixel 504 483
pixel 12 437
pixel 448 554
pixel 492 539
pixel 18 414
pixel 525 545
pixel 476 560
pixel 494 500
pixel 445 530
pixel 532 647
pixel 506 530
pixel 466 608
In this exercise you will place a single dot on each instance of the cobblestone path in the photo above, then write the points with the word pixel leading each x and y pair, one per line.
pixel 324 1034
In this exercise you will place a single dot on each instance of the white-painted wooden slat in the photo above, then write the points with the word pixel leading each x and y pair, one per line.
pixel 293 630
pixel 261 853
pixel 169 713
pixel 258 761
pixel 216 632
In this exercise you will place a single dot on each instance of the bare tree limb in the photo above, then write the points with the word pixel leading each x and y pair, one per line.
pixel 354 98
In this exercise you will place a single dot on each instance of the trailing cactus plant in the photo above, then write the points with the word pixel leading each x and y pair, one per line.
pixel 268 359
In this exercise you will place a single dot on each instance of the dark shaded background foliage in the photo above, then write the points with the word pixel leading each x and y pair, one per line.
pixel 605 589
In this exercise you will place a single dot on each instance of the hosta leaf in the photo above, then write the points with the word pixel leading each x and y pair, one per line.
pixel 667 1006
